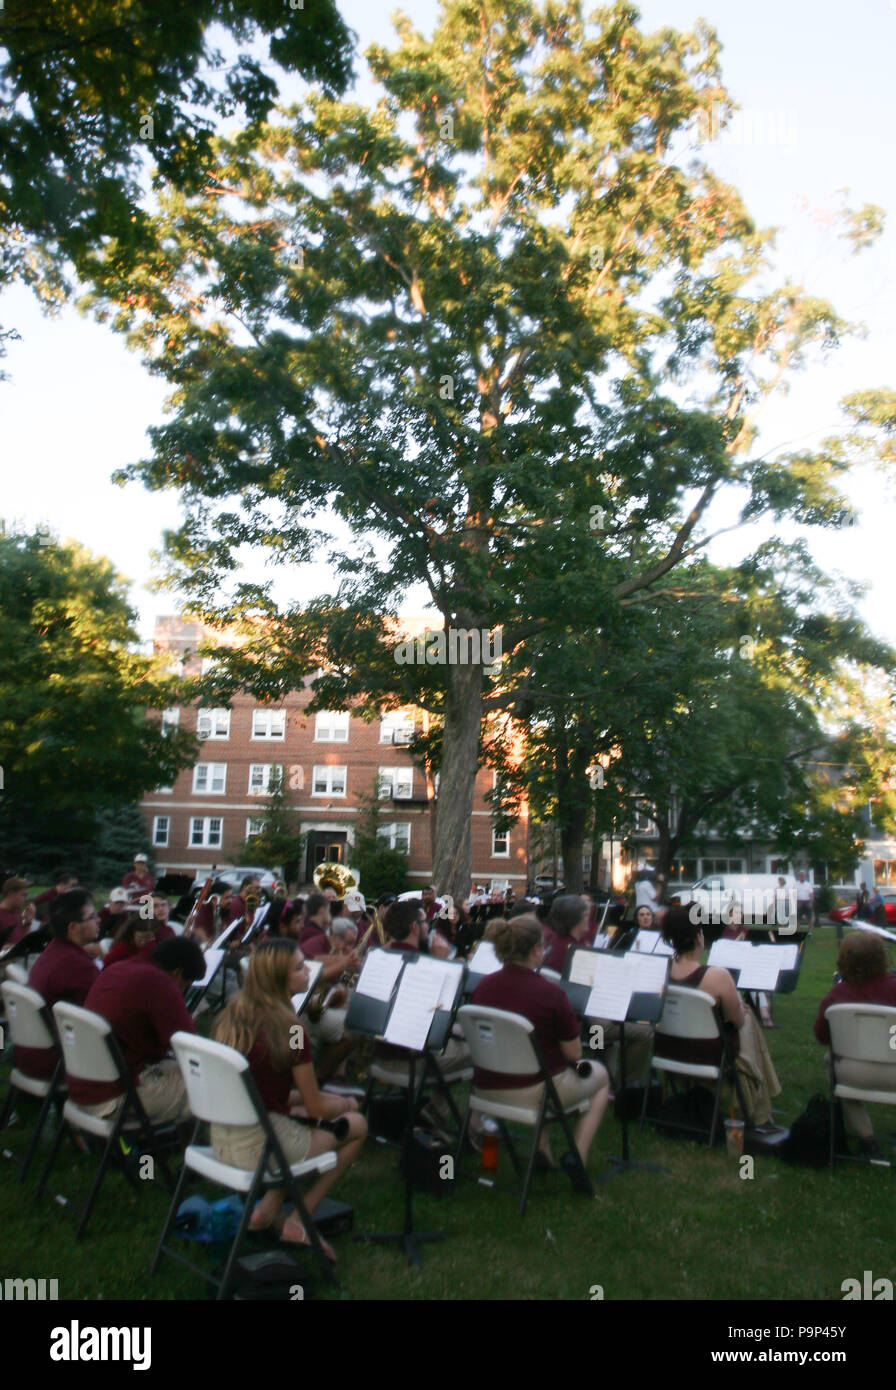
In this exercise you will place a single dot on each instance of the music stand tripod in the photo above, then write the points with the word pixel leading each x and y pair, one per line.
pixel 622 1163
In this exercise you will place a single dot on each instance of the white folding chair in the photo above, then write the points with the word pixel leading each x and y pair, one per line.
pixel 693 1016
pixel 222 1090
pixel 91 1053
pixel 553 975
pixel 31 1025
pixel 861 1033
pixel 505 1042
pixel 17 973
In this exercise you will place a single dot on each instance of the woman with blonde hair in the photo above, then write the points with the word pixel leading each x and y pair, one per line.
pixel 261 1023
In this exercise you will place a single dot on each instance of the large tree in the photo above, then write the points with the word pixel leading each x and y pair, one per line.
pixel 503 323
pixel 90 91
pixel 74 691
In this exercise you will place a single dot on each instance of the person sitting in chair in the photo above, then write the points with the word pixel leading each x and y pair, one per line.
pixel 756 1073
pixel 865 979
pixel 518 989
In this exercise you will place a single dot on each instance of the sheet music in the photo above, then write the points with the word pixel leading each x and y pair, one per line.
pixel 415 1004
pixel 213 959
pixel 260 914
pixel 484 960
pixel 228 932
pixel 647 973
pixel 645 942
pixel 730 955
pixel 600 942
pixel 611 992
pixel 299 1000
pixel 583 968
pixel 788 956
pixel 448 975
pixel 378 974
pixel 761 971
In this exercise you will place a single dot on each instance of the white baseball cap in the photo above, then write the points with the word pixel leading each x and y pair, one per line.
pixel 354 902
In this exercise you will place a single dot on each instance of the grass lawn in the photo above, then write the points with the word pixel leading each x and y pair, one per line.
pixel 702 1232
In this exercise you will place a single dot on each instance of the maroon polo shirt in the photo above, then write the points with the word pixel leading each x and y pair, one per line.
pixel 556 953
pixel 273 1085
pixel 110 922
pixel 43 902
pixel 237 908
pixel 145 1007
pixel 65 973
pixel 880 990
pixel 314 941
pixel 517 990
pixel 127 950
pixel 133 882
pixel 12 928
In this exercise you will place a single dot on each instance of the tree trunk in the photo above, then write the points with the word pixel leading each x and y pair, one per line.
pixel 572 839
pixel 451 864
pixel 571 762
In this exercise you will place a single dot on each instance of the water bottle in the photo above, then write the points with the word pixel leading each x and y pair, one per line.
pixel 489 1146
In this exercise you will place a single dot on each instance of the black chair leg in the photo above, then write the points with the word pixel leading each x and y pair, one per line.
pixel 464 1126
pixel 511 1147
pixel 96 1185
pixel 51 1159
pixel 169 1220
pixel 530 1166
pixel 35 1138
pixel 227 1276
pixel 7 1109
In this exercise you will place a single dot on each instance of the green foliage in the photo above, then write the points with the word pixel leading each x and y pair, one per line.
pixel 280 841
pixel 121 834
pixel 381 870
pixel 74 737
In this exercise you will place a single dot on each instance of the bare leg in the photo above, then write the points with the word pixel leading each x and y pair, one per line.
pixel 587 1126
pixel 346 1154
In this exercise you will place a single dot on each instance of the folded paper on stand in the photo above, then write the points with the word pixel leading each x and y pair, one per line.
pixel 647 973
pixel 415 1005
pixel 761 971
pixel 583 968
pixel 379 973
pixel 611 992
pixel 314 969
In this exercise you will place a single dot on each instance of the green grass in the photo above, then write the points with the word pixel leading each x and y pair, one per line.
pixel 701 1232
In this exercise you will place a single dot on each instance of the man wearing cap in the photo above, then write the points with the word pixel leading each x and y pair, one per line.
pixel 356 908
pixel 12 902
pixel 139 880
pixel 143 1001
pixel 63 882
pixel 113 915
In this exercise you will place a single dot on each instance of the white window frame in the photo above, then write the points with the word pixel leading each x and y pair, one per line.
pixel 393 721
pixel 217 720
pixel 156 830
pixel 170 719
pixel 214 772
pixel 645 825
pixel 331 726
pixel 268 715
pixel 397 830
pixel 254 825
pixel 500 853
pixel 325 772
pixel 267 771
pixel 206 823
pixel 390 779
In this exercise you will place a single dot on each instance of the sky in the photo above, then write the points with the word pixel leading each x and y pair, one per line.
pixel 814 81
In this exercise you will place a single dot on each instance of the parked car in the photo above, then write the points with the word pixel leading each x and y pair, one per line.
pixel 266 877
pixel 848 912
pixel 755 894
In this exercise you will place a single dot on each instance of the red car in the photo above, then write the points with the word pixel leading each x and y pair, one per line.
pixel 845 914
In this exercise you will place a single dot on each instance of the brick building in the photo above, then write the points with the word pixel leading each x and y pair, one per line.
pixel 330 761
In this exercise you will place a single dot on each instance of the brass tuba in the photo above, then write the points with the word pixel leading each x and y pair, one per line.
pixel 337 877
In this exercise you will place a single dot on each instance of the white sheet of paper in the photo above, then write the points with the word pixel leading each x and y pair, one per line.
pixel 647 973
pixel 600 942
pixel 412 1013
pixel 788 956
pixel 213 959
pixel 730 955
pixel 611 992
pixel 225 935
pixel 878 931
pixel 646 942
pixel 314 969
pixel 484 961
pixel 583 968
pixel 448 975
pixel 378 975
pixel 761 971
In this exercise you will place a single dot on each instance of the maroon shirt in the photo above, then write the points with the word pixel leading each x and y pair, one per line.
pixel 111 922
pixel 63 972
pixel 12 928
pixel 43 902
pixel 237 908
pixel 133 882
pixel 145 1007
pixel 517 990
pixel 314 941
pixel 127 950
pixel 274 1086
pixel 880 990
pixel 557 950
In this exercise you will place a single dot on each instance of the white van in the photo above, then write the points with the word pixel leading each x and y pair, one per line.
pixel 759 896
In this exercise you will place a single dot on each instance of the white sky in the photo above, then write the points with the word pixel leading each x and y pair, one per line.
pixel 813 77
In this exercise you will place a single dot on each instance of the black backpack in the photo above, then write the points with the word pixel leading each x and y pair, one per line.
pixel 810 1134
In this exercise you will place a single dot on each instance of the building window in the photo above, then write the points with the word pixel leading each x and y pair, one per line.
pixel 396 836
pixel 264 777
pixel 213 723
pixel 269 723
pixel 884 872
pixel 328 781
pixel 501 844
pixel 170 720
pixel 160 827
pixel 396 726
pixel 254 826
pixel 205 832
pixel 724 866
pixel 396 781
pixel 331 726
pixel 778 866
pixel 644 824
pixel 210 778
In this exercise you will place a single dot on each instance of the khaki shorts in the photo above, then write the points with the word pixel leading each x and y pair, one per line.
pixel 161 1092
pixel 241 1145
pixel 326 1031
pixel 570 1087
pixel 455 1058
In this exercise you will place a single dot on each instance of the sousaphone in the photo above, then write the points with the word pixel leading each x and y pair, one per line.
pixel 337 877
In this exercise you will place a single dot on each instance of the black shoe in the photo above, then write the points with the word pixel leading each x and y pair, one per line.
pixel 543 1164
pixel 575 1171
pixel 869 1148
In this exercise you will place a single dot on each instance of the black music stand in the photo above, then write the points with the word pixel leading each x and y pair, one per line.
pixel 643 1008
pixel 371 1017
